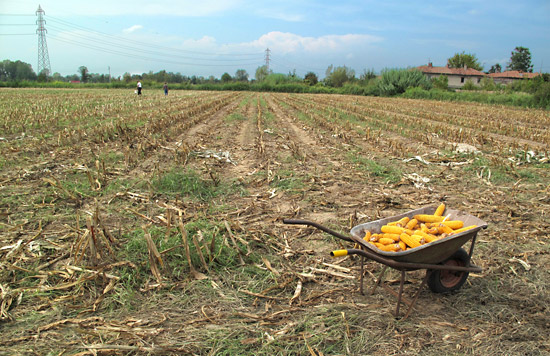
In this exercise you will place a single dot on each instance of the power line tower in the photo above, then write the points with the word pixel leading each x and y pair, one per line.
pixel 267 53
pixel 43 57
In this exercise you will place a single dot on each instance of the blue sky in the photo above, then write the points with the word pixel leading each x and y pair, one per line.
pixel 211 37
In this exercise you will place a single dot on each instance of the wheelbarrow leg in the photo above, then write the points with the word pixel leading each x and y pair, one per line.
pixel 377 283
pixel 400 293
pixel 361 276
pixel 424 281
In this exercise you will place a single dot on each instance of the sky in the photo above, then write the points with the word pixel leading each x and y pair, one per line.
pixel 212 37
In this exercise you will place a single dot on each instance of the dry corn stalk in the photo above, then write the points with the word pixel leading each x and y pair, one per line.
pixel 199 250
pixel 155 259
pixel 196 274
pixel 239 251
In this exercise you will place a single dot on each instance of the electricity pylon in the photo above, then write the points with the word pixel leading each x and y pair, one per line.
pixel 43 57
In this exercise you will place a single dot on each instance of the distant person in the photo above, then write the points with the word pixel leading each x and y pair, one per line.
pixel 139 88
pixel 165 87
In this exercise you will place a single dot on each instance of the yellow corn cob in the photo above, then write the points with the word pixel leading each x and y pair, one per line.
pixel 402 245
pixel 388 248
pixel 454 224
pixel 403 221
pixel 409 240
pixel 429 230
pixel 440 209
pixel 394 237
pixel 411 224
pixel 375 237
pixel 463 229
pixel 392 229
pixel 386 241
pixel 367 236
pixel 427 237
pixel 428 218
pixel 444 229
pixel 419 238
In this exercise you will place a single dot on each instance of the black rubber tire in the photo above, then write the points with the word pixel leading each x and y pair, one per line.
pixel 444 281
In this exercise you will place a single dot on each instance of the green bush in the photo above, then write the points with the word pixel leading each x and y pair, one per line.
pixel 542 96
pixel 441 82
pixel 469 85
pixel 514 99
pixel 397 81
pixel 488 84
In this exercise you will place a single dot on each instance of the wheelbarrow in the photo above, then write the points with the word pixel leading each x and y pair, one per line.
pixel 446 263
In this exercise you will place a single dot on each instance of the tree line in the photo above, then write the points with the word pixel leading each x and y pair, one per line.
pixel 341 78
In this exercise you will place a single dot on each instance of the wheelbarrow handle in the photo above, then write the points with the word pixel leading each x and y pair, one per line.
pixel 318 226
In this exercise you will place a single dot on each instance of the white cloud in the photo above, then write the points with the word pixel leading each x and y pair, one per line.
pixel 132 29
pixel 285 42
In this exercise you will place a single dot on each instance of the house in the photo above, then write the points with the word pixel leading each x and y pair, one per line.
pixel 511 76
pixel 457 76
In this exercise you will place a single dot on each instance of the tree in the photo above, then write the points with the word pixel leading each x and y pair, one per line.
pixel 311 78
pixel 226 78
pixel 459 60
pixel 241 75
pixel 84 75
pixel 15 71
pixel 43 76
pixel 367 75
pixel 520 60
pixel 340 75
pixel 57 77
pixel 495 69
pixel 261 73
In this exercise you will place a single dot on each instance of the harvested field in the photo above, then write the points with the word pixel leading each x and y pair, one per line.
pixel 153 225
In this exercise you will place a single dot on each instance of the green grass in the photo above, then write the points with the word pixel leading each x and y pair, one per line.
pixel 483 168
pixel 234 117
pixel 287 180
pixel 381 168
pixel 187 183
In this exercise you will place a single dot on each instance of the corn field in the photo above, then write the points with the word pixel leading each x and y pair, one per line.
pixel 153 225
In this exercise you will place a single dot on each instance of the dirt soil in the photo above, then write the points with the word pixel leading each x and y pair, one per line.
pixel 105 271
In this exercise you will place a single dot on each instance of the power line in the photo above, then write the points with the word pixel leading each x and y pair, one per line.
pixel 145 58
pixel 292 65
pixel 106 44
pixel 126 40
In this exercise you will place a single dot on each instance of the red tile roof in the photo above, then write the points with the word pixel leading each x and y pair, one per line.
pixel 514 74
pixel 450 71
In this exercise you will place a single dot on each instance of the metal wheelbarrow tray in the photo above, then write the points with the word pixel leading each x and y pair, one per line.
pixel 447 264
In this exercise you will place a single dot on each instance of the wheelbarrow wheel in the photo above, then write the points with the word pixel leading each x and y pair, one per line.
pixel 445 281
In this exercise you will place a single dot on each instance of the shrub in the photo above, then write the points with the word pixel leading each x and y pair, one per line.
pixel 441 82
pixel 488 84
pixel 469 85
pixel 542 96
pixel 397 81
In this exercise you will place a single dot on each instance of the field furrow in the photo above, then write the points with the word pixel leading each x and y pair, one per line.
pixel 153 225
